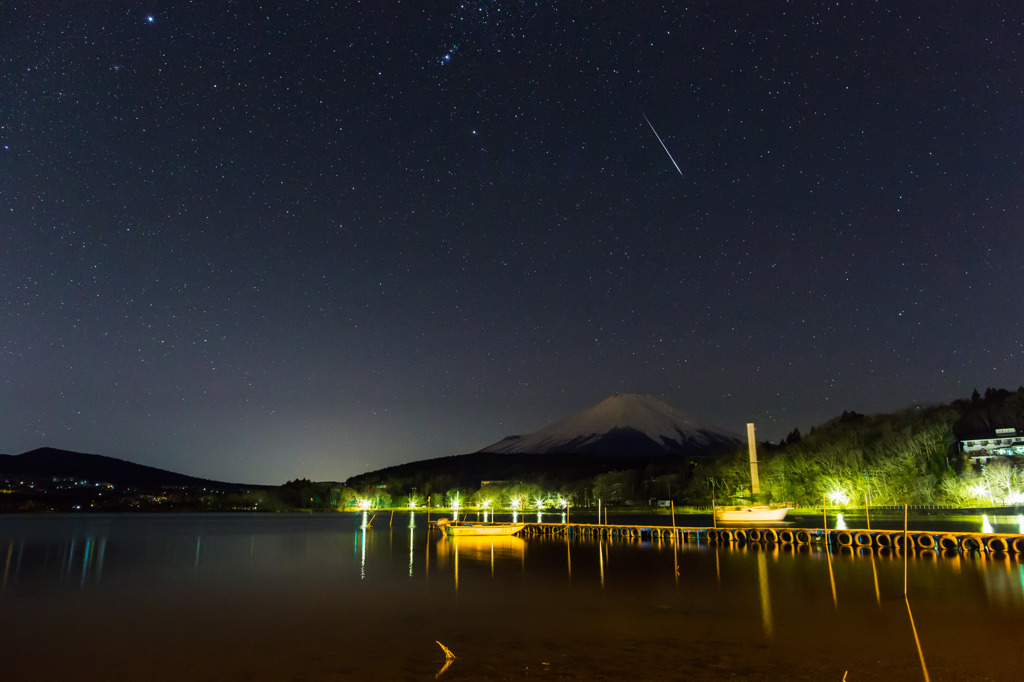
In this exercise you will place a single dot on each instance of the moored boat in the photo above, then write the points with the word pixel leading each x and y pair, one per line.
pixel 757 513
pixel 753 513
pixel 462 528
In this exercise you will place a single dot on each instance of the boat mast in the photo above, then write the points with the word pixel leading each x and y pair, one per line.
pixel 755 484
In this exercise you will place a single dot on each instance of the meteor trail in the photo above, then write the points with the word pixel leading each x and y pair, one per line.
pixel 662 143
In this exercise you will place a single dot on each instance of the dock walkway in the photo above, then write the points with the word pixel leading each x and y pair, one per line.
pixel 733 534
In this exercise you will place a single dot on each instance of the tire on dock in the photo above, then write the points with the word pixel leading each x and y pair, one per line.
pixel 786 536
pixel 844 538
pixel 972 543
pixel 769 535
pixel 803 537
pixel 712 534
pixel 924 540
pixel 754 535
pixel 863 539
pixel 1018 545
pixel 725 535
pixel 885 540
pixel 739 535
pixel 949 542
pixel 997 543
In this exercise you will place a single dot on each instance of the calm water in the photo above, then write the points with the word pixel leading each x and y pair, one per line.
pixel 317 597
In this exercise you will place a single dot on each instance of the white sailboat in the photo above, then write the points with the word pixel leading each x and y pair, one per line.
pixel 754 513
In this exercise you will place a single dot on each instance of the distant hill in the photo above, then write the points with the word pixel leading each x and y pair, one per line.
pixel 51 462
pixel 623 424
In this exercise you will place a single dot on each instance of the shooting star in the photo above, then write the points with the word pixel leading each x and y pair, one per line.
pixel 662 143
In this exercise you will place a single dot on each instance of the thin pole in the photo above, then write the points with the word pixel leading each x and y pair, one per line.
pixel 824 515
pixel 714 517
pixel 675 542
pixel 428 511
pixel 391 520
pixel 568 555
pixel 905 552
pixel 867 514
pixel 831 574
pixel 599 511
pixel 917 641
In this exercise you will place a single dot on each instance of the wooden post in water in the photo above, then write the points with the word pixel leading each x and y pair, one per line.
pixel 428 511
pixel 905 552
pixel 599 511
pixel 714 517
pixel 675 541
pixel 824 516
pixel 867 514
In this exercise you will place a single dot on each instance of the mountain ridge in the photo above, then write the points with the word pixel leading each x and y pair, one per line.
pixel 54 462
pixel 621 423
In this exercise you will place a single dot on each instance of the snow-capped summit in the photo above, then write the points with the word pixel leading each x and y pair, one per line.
pixel 623 424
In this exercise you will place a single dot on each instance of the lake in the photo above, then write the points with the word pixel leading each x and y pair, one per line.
pixel 318 597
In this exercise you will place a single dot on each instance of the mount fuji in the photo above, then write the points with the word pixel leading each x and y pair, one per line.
pixel 623 424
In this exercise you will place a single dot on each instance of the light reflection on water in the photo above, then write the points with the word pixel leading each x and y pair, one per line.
pixel 133 592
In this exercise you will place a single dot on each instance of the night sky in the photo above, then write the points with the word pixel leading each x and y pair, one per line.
pixel 255 241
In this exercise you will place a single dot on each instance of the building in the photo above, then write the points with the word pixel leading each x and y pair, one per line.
pixel 987 445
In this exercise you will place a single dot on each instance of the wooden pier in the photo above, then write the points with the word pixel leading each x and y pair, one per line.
pixel 951 541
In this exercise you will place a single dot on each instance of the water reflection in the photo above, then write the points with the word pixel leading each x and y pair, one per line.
pixel 362 556
pixel 840 522
pixel 7 562
pixel 478 550
pixel 766 595
pixel 244 575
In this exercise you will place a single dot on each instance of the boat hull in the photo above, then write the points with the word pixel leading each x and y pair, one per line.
pixel 756 514
pixel 482 529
